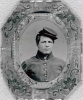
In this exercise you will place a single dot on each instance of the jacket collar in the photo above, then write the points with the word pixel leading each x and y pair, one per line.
pixel 42 56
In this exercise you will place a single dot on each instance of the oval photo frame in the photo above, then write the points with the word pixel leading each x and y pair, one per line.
pixel 39 22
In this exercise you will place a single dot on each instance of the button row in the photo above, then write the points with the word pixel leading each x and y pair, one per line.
pixel 45 75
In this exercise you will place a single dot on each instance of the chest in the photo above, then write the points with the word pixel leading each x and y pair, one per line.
pixel 43 66
pixel 44 70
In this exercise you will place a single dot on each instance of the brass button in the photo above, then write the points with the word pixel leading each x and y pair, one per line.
pixel 46 80
pixel 45 69
pixel 45 75
pixel 45 58
pixel 45 64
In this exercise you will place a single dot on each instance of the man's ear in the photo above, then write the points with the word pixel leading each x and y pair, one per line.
pixel 38 46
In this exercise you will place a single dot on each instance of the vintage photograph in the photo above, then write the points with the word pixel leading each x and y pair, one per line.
pixel 45 64
pixel 41 51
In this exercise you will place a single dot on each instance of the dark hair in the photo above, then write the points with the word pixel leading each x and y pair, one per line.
pixel 38 36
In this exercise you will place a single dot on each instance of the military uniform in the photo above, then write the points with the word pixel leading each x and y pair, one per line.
pixel 43 67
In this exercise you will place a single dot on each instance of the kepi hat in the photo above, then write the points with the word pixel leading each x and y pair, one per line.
pixel 48 33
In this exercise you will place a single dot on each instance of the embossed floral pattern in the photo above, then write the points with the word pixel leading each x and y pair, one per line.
pixel 69 83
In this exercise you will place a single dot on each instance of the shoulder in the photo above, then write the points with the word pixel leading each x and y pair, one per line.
pixel 58 60
pixel 32 59
pixel 59 63
pixel 28 61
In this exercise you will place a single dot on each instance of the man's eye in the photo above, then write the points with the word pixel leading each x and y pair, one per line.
pixel 49 41
pixel 43 42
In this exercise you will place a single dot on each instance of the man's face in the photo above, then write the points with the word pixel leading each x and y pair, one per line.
pixel 45 45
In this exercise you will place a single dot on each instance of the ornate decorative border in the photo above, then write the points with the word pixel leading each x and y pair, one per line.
pixel 25 14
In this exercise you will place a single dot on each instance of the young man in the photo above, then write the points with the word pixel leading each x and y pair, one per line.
pixel 44 67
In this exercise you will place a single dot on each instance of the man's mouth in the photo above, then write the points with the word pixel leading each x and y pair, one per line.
pixel 46 49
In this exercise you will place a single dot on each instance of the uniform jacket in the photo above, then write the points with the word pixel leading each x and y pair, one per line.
pixel 43 68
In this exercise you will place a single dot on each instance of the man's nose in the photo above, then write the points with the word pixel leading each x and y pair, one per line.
pixel 47 45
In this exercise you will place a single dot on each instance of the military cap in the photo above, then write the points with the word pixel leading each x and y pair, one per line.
pixel 48 32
